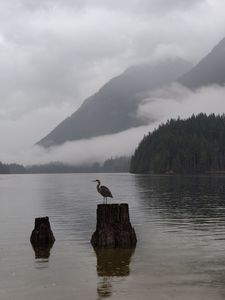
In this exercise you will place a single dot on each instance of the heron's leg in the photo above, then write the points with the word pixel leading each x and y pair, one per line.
pixel 106 200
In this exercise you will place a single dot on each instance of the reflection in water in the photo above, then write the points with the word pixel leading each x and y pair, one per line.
pixel 42 251
pixel 104 288
pixel 181 197
pixel 111 263
pixel 180 222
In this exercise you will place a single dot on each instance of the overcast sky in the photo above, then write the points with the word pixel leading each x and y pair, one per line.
pixel 53 54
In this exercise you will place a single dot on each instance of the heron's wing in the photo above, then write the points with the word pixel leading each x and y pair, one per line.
pixel 105 191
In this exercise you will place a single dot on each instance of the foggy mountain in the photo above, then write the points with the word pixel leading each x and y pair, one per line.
pixel 114 107
pixel 210 70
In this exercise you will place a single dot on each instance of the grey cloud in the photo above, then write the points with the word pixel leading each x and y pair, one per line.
pixel 176 100
pixel 84 151
pixel 145 6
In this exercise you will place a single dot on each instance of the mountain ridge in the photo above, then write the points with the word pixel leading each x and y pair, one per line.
pixel 210 70
pixel 114 107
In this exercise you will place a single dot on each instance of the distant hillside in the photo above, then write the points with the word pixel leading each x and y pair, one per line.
pixel 4 168
pixel 11 169
pixel 210 70
pixel 113 165
pixel 16 169
pixel 114 107
pixel 194 145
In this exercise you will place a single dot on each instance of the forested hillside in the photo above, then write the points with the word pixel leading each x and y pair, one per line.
pixel 4 169
pixel 113 165
pixel 194 145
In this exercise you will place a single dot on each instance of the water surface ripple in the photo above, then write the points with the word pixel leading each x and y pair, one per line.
pixel 179 221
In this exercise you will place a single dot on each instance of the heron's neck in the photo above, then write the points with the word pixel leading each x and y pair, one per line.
pixel 98 185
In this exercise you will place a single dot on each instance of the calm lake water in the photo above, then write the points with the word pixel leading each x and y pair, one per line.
pixel 180 226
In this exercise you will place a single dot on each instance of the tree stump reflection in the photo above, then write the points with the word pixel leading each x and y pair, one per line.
pixel 111 263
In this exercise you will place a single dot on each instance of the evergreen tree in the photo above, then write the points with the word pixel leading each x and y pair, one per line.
pixel 4 169
pixel 193 145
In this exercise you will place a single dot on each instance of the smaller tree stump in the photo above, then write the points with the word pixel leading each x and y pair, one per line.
pixel 113 228
pixel 42 234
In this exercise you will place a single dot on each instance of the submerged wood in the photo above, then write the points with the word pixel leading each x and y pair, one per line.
pixel 42 234
pixel 113 228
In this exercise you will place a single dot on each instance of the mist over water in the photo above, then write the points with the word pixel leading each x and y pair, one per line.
pixel 172 101
pixel 179 221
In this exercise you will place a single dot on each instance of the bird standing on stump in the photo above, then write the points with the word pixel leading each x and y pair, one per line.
pixel 104 191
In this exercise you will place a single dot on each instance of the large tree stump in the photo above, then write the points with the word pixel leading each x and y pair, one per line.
pixel 113 228
pixel 42 234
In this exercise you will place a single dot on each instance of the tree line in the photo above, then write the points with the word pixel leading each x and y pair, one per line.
pixel 192 145
pixel 114 165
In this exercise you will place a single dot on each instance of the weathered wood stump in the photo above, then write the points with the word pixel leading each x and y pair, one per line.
pixel 42 234
pixel 113 228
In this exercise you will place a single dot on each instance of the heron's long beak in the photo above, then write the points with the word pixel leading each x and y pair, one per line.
pixel 94 180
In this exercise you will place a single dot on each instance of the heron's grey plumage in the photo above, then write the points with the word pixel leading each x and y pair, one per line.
pixel 103 190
